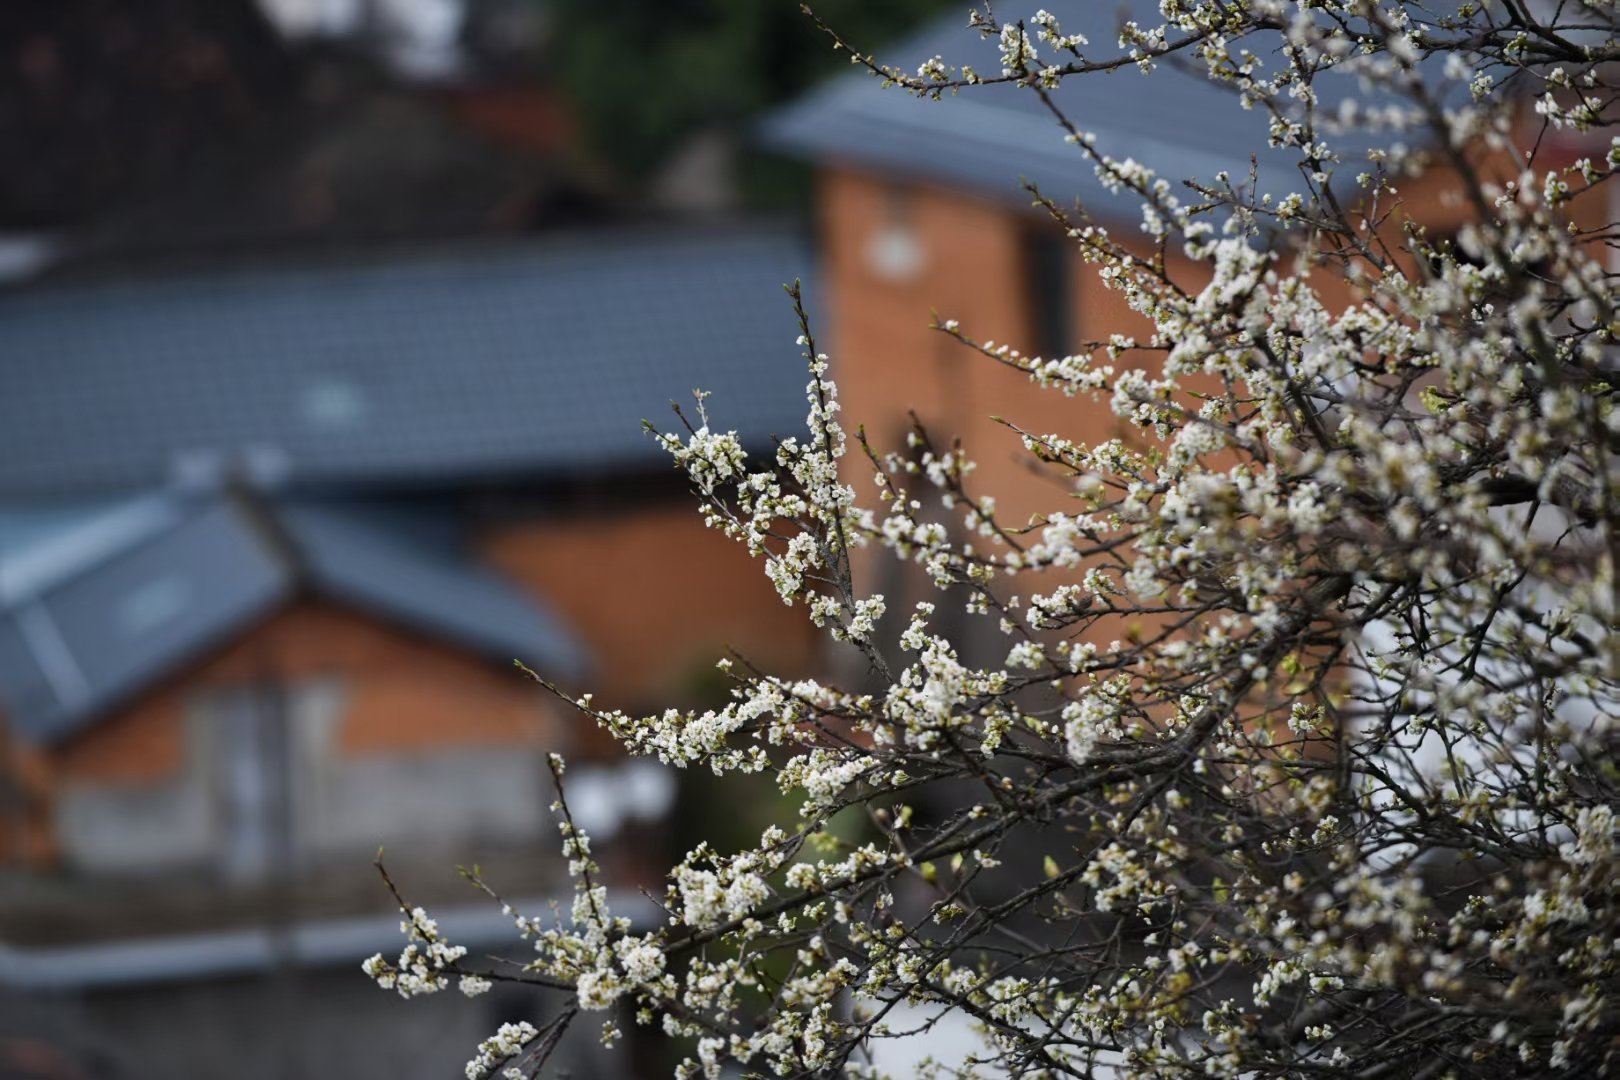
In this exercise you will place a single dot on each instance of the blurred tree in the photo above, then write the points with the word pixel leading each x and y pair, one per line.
pixel 195 128
pixel 715 63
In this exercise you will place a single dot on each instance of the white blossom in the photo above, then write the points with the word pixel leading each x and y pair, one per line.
pixel 1291 749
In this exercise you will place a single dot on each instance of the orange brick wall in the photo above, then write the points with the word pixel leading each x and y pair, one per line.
pixel 25 788
pixel 886 359
pixel 405 692
pixel 656 595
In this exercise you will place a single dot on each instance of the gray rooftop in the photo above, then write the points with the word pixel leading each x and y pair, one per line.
pixel 432 369
pixel 987 139
pixel 129 593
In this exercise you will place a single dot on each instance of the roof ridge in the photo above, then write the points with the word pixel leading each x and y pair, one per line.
pixel 625 239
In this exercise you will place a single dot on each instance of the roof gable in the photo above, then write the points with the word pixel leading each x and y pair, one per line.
pixel 77 640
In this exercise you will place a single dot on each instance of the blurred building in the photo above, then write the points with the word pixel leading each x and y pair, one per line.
pixel 270 541
pixel 320 407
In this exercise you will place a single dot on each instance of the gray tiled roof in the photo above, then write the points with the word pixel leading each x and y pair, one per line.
pixel 986 139
pixel 79 639
pixel 91 638
pixel 370 562
pixel 432 369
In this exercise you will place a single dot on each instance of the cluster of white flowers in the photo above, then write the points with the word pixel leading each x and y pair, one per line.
pixel 505 1044
pixel 1294 753
pixel 425 964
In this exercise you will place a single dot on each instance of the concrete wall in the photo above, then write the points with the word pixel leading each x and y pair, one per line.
pixel 342 805
pixel 135 827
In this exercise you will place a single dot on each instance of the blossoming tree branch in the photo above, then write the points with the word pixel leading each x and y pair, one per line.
pixel 1298 757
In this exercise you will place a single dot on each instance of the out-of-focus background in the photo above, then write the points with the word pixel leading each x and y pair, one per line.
pixel 326 330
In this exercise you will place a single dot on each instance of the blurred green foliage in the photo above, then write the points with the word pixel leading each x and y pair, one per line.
pixel 644 75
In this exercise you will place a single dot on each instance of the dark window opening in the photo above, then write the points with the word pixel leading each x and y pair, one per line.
pixel 1049 291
